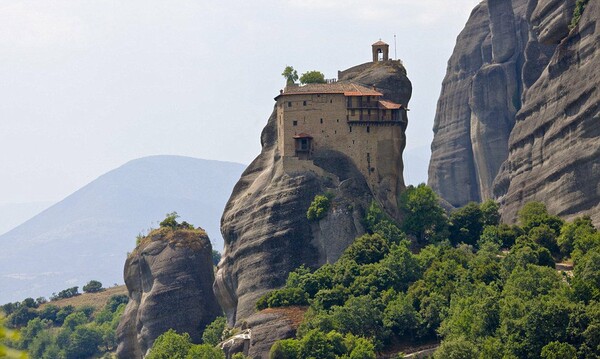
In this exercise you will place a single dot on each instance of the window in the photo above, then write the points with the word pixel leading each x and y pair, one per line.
pixel 289 104
pixel 338 120
pixel 295 123
pixel 352 113
pixel 330 101
pixel 368 129
pixel 303 103
pixel 368 99
pixel 321 120
pixel 350 128
pixel 304 144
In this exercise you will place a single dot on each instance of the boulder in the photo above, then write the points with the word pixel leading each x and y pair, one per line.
pixel 169 278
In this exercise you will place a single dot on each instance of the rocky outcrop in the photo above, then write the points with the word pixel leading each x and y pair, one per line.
pixel 169 277
pixel 496 58
pixel 264 224
pixel 555 144
pixel 517 116
pixel 261 330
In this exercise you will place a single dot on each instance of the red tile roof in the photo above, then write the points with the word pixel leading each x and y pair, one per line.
pixel 389 105
pixel 346 88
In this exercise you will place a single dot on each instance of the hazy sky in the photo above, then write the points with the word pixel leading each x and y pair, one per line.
pixel 86 86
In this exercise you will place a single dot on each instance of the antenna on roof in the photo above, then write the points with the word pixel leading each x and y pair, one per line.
pixel 395 54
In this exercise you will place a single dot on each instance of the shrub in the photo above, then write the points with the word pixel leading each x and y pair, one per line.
pixel 319 207
pixel 213 333
pixel 284 297
pixel 170 345
pixel 93 286
pixel 577 12
pixel 312 77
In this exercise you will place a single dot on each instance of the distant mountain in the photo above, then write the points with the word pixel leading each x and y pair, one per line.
pixel 88 234
pixel 13 214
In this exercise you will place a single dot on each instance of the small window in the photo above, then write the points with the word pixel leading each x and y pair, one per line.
pixel 338 120
pixel 368 129
pixel 295 123
pixel 321 120
pixel 352 113
pixel 303 103
pixel 289 104
pixel 330 101
pixel 368 99
pixel 350 128
pixel 369 112
pixel 335 132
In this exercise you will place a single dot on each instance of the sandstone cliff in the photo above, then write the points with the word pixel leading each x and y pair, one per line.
pixel 505 66
pixel 264 224
pixel 169 277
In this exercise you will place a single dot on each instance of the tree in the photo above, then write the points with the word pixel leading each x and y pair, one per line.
pixel 285 349
pixel 213 333
pixel 424 218
pixel 83 343
pixel 170 220
pixel 490 213
pixel 170 345
pixel 93 286
pixel 466 224
pixel 204 351
pixel 558 350
pixel 319 207
pixel 534 214
pixel 312 77
pixel 290 75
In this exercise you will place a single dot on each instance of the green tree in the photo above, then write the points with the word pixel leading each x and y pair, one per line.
pixel 170 220
pixel 204 351
pixel 571 232
pixel 213 333
pixel 319 207
pixel 170 345
pixel 216 257
pixel 291 75
pixel 459 348
pixel 424 218
pixel 312 77
pixel 558 350
pixel 466 224
pixel 534 214
pixel 490 213
pixel 6 334
pixel 285 349
pixel 83 343
pixel 93 286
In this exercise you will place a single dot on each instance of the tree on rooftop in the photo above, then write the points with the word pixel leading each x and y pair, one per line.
pixel 312 77
pixel 291 75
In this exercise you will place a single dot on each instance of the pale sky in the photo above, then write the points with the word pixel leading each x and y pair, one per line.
pixel 86 86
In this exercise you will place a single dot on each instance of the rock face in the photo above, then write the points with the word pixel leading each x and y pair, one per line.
pixel 169 277
pixel 555 144
pixel 508 83
pixel 264 224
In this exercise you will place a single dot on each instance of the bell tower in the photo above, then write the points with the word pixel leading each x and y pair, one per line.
pixel 381 51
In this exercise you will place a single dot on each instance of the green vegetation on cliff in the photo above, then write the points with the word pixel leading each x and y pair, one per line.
pixel 484 289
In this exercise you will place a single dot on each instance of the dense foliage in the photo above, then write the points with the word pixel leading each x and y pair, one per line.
pixel 171 345
pixel 319 207
pixel 67 332
pixel 484 289
pixel 93 286
pixel 312 77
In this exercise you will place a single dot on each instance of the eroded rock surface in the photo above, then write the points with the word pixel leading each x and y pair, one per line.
pixel 264 224
pixel 555 144
pixel 169 277
pixel 517 118
pixel 496 58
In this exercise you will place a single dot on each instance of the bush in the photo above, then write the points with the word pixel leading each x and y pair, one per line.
pixel 204 351
pixel 577 12
pixel 93 286
pixel 284 297
pixel 319 207
pixel 213 333
pixel 65 293
pixel 312 77
pixel 170 345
